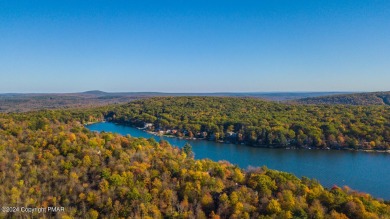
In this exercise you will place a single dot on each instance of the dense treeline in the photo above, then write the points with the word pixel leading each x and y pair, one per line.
pixel 261 123
pixel 31 102
pixel 373 98
pixel 49 158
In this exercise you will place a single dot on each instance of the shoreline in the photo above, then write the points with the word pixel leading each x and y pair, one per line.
pixel 293 151
pixel 255 146
pixel 91 123
pixel 261 146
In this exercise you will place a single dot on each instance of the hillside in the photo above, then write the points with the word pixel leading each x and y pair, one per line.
pixel 28 102
pixel 31 102
pixel 261 123
pixel 95 92
pixel 48 158
pixel 375 98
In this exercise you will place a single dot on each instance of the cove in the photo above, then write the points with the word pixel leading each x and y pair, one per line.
pixel 362 171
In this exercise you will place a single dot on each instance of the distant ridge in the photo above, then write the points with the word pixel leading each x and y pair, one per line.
pixel 22 102
pixel 95 92
pixel 274 96
pixel 371 98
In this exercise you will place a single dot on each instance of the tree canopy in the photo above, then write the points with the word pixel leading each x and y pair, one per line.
pixel 262 123
pixel 48 158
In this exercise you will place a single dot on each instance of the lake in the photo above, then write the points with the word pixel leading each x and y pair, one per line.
pixel 362 171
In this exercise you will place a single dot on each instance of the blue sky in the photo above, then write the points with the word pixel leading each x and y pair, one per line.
pixel 194 46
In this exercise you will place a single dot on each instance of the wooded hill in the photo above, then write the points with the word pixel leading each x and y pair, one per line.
pixel 48 158
pixel 33 102
pixel 30 102
pixel 374 98
pixel 261 123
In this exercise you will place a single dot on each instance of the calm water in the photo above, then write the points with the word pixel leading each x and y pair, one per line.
pixel 366 172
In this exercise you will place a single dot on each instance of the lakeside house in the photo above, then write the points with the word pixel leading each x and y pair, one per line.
pixel 148 125
pixel 231 134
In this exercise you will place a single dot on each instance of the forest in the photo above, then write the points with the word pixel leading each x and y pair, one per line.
pixel 33 102
pixel 48 158
pixel 261 123
pixel 24 102
pixel 371 98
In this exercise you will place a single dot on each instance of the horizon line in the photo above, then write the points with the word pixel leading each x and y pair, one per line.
pixel 216 92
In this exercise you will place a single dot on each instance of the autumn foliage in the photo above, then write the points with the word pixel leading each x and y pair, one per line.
pixel 49 158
